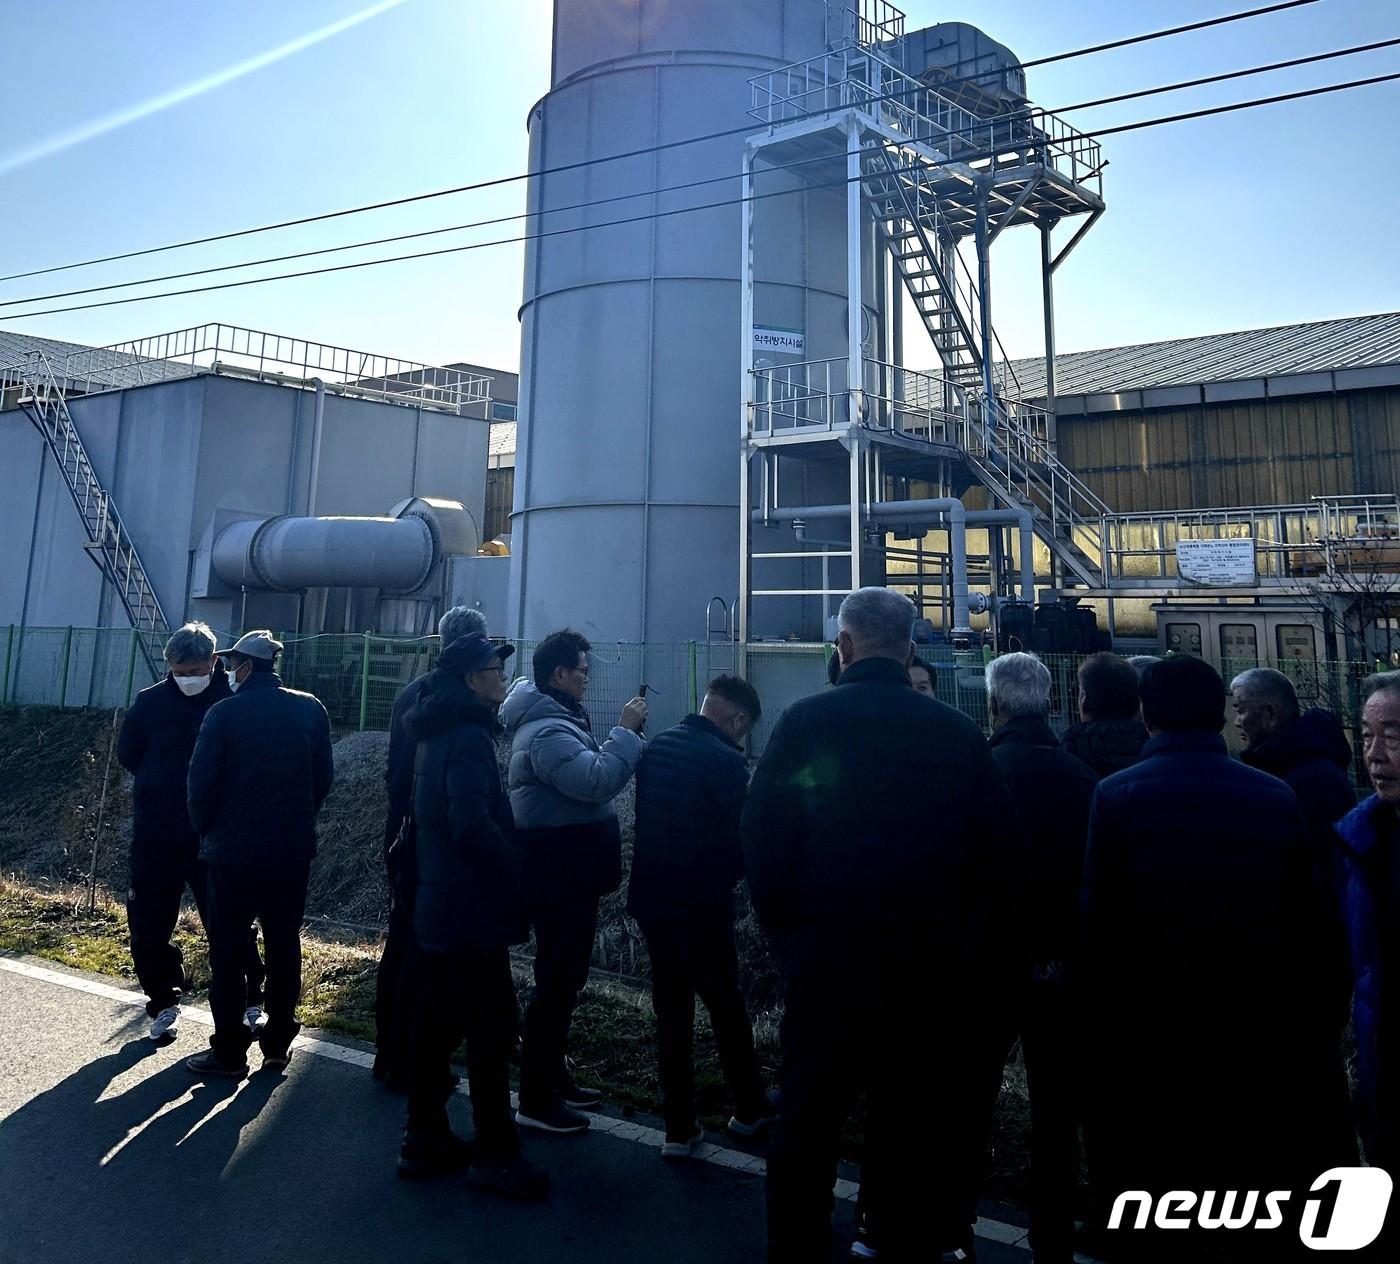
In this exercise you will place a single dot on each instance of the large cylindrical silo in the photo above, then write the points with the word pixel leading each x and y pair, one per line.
pixel 626 514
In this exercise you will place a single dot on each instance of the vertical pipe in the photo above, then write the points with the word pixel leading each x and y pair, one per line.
pixel 1027 563
pixel 9 650
pixel 313 481
pixel 984 293
pixel 854 375
pixel 745 395
pixel 131 666
pixel 693 675
pixel 364 683
pixel 897 330
pixel 67 652
pixel 1047 289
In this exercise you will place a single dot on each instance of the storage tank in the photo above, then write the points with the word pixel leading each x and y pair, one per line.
pixel 626 518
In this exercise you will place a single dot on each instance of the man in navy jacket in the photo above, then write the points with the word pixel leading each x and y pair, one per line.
pixel 260 771
pixel 1203 965
pixel 1371 835
pixel 686 860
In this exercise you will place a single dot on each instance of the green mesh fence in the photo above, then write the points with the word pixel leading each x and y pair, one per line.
pixel 358 676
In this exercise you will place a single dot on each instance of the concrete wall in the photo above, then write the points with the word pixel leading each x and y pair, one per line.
pixel 175 454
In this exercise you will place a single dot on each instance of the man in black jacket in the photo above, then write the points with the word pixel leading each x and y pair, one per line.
pixel 260 771
pixel 1309 750
pixel 1051 791
pixel 881 894
pixel 156 741
pixel 1110 735
pixel 390 1024
pixel 686 861
pixel 468 909
pixel 1202 939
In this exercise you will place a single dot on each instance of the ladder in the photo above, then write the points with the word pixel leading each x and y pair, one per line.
pixel 40 394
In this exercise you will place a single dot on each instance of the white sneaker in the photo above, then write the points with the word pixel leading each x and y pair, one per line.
pixel 255 1019
pixel 163 1028
pixel 685 1148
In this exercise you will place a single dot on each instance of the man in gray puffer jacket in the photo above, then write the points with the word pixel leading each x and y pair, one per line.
pixel 562 784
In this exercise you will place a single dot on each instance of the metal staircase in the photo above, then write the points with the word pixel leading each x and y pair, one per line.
pixel 39 392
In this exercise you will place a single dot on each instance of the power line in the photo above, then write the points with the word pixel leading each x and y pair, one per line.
pixel 1175 30
pixel 708 206
pixel 677 188
pixel 500 181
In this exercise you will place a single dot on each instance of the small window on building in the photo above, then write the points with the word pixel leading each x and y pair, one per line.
pixel 1184 638
pixel 501 411
pixel 1239 640
pixel 1297 642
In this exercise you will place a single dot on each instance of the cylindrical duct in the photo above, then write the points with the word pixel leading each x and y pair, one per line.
pixel 626 514
pixel 291 554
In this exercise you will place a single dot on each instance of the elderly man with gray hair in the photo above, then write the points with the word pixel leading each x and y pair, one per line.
pixel 390 1013
pixel 874 838
pixel 1051 791
pixel 156 742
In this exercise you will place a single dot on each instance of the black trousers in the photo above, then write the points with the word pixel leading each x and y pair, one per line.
pixel 453 995
pixel 276 896
pixel 158 882
pixel 392 1001
pixel 1049 1039
pixel 860 1031
pixel 693 958
pixel 564 929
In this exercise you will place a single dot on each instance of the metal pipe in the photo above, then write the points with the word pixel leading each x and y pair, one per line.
pixel 289 554
pixel 313 481
pixel 1047 296
pixel 946 507
pixel 1021 519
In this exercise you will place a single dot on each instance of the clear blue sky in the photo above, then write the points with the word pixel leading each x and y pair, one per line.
pixel 1287 213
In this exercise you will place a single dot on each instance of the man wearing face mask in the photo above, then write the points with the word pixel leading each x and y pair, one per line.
pixel 156 741
pixel 260 771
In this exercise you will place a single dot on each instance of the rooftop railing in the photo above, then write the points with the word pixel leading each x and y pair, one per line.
pixel 265 356
pixel 857 77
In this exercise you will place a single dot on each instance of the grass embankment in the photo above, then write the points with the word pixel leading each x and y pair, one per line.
pixel 613 1045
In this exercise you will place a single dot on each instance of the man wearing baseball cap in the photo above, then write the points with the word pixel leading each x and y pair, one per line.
pixel 468 909
pixel 260 771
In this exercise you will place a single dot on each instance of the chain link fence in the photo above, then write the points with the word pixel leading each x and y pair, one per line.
pixel 358 676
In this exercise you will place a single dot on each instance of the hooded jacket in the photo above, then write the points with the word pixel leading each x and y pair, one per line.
pixel 156 741
pixel 1107 746
pixel 562 785
pixel 1311 754
pixel 470 871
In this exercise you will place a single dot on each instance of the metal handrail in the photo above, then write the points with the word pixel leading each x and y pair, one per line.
pixel 219 348
pixel 858 77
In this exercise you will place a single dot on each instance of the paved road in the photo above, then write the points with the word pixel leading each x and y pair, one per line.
pixel 111 1151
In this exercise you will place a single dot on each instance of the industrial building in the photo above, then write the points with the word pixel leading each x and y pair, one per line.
pixel 717 432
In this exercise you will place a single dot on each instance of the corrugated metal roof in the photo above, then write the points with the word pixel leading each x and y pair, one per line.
pixel 96 366
pixel 1318 347
pixel 502 438
pixel 15 346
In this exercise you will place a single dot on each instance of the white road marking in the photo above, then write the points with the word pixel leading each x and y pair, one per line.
pixel 622 1129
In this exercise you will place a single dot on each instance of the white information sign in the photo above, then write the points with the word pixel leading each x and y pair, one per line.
pixel 1216 563
pixel 775 338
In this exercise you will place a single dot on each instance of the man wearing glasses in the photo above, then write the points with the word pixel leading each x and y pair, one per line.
pixel 562 785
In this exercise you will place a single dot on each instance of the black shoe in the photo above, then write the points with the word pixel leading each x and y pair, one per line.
pixel 277 1048
pixel 551 1117
pixel 433 1154
pixel 576 1097
pixel 209 1063
pixel 511 1178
